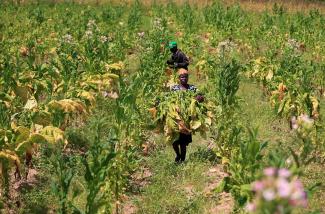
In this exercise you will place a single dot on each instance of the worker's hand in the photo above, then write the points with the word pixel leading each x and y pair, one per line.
pixel 175 65
pixel 199 98
pixel 182 128
pixel 157 102
pixel 170 62
pixel 153 112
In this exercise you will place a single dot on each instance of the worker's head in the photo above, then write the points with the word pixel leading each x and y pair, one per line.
pixel 183 76
pixel 173 46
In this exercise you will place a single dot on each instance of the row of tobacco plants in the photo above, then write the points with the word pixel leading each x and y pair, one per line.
pixel 68 102
pixel 260 181
pixel 77 82
pixel 292 79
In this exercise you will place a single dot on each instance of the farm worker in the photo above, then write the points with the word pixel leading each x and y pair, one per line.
pixel 185 136
pixel 178 58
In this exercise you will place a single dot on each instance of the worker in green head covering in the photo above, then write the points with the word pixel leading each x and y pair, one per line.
pixel 178 58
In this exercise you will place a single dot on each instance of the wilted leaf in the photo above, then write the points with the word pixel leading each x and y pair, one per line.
pixel 24 92
pixel 115 66
pixel 53 135
pixel 43 118
pixel 208 121
pixel 88 96
pixel 67 106
pixel 30 104
pixel 153 112
pixel 269 76
pixel 9 155
pixel 195 124
pixel 22 134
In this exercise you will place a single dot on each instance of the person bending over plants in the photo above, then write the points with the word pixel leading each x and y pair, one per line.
pixel 178 58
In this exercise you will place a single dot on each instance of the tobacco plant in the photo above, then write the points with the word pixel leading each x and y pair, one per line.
pixel 226 78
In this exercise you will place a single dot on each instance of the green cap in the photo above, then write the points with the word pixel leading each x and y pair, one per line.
pixel 172 44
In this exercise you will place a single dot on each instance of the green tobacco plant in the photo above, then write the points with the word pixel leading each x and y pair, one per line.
pixel 134 18
pixel 64 170
pixel 228 19
pixel 97 163
pixel 226 77
pixel 244 167
pixel 228 84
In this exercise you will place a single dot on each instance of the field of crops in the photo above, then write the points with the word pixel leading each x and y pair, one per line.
pixel 81 131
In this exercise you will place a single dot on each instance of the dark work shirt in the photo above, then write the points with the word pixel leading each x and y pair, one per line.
pixel 180 58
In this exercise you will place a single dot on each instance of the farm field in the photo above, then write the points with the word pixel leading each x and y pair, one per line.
pixel 87 118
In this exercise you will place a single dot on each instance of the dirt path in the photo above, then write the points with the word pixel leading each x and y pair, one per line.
pixel 160 186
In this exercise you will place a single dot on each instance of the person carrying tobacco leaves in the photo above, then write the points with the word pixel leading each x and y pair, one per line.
pixel 178 58
pixel 185 136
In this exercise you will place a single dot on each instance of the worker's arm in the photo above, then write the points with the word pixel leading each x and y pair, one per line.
pixel 199 98
pixel 170 61
pixel 198 95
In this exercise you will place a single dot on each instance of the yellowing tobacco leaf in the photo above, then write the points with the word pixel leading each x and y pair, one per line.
pixel 115 66
pixel 259 60
pixel 269 75
pixel 23 147
pixel 192 108
pixel 88 96
pixel 170 124
pixel 195 124
pixel 37 138
pixel 200 63
pixel 13 125
pixel 26 138
pixel 53 135
pixel 43 118
pixel 24 92
pixel 110 75
pixel 315 106
pixel 30 104
pixel 208 121
pixel 52 50
pixel 210 114
pixel 58 87
pixel 67 106
pixel 9 155
pixel 22 134
pixel 4 135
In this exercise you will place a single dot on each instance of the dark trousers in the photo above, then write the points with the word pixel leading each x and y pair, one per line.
pixel 180 146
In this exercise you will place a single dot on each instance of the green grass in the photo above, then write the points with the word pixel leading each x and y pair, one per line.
pixel 258 113
pixel 175 188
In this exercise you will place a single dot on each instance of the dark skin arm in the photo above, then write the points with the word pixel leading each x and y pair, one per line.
pixel 171 61
pixel 199 98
